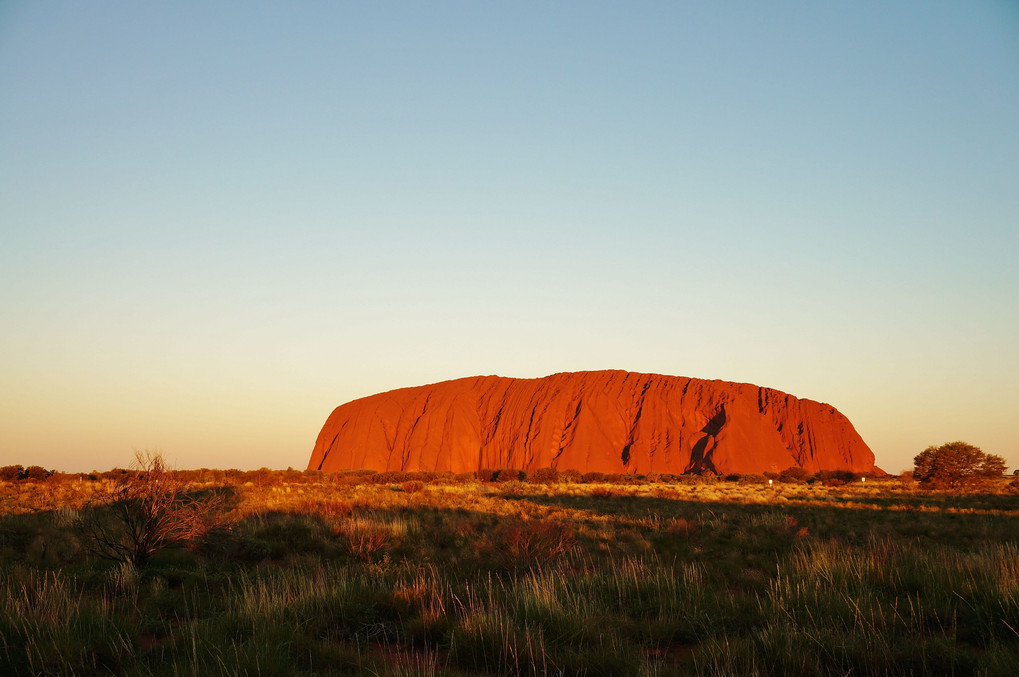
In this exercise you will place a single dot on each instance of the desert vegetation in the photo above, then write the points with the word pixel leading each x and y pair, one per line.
pixel 503 572
pixel 957 464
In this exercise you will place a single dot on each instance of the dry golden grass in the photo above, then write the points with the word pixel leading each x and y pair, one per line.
pixel 435 574
pixel 339 495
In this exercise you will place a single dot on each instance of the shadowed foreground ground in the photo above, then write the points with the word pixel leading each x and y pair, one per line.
pixel 442 575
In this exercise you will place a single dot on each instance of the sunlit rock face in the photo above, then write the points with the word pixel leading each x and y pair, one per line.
pixel 600 421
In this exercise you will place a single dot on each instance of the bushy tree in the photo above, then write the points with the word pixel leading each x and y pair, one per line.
pixel 12 473
pixel 18 473
pixel 145 510
pixel 36 472
pixel 956 464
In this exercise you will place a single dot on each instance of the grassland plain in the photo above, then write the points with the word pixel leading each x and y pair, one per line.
pixel 430 574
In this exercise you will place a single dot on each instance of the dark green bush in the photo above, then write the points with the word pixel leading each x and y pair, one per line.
pixel 36 473
pixel 570 475
pixel 12 473
pixel 793 475
pixel 837 475
pixel 504 475
pixel 545 476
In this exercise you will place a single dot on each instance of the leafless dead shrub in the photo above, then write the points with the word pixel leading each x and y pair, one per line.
pixel 144 510
pixel 413 486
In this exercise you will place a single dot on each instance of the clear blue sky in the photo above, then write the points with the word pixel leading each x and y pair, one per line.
pixel 221 220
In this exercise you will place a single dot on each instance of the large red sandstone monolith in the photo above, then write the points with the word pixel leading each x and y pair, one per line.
pixel 602 421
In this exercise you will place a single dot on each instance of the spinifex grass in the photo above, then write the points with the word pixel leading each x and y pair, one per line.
pixel 448 576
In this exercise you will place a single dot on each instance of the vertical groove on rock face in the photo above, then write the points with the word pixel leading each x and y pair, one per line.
pixel 635 422
pixel 589 421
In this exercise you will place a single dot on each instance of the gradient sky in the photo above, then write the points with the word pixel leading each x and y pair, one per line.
pixel 218 221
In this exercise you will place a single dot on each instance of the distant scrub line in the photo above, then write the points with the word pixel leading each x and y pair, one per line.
pixel 264 476
pixel 17 473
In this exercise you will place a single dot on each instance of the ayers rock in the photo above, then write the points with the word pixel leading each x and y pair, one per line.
pixel 600 421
